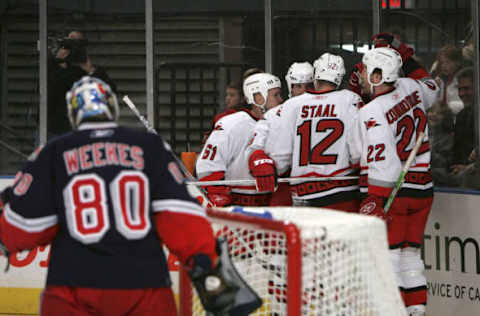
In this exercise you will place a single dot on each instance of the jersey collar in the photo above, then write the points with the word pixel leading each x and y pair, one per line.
pixel 249 113
pixel 383 93
pixel 97 125
pixel 321 91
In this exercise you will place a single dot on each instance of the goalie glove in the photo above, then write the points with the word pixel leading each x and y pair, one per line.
pixel 373 206
pixel 263 170
pixel 222 290
pixel 393 41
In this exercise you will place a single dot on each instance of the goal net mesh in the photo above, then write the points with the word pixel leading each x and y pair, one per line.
pixel 343 265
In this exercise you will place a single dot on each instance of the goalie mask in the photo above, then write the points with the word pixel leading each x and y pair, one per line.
pixel 387 60
pixel 329 67
pixel 260 83
pixel 91 100
pixel 298 73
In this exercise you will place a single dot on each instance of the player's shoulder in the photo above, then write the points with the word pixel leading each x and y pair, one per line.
pixel 273 112
pixel 414 83
pixel 374 106
pixel 294 103
pixel 233 120
pixel 111 132
pixel 406 81
pixel 348 93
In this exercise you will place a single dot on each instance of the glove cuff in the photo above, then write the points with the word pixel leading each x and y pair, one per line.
pixel 257 154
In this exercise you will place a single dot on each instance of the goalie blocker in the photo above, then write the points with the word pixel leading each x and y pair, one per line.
pixel 222 290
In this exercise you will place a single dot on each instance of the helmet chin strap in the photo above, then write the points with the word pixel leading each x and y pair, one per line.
pixel 262 106
pixel 373 85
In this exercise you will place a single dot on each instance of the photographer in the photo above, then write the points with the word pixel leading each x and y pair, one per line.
pixel 70 64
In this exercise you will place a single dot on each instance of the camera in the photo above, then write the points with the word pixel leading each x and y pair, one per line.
pixel 77 48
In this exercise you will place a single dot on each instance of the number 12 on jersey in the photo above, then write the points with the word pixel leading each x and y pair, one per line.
pixel 331 129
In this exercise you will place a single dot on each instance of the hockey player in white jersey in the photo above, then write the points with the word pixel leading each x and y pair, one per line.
pixel 224 154
pixel 388 127
pixel 312 137
pixel 299 79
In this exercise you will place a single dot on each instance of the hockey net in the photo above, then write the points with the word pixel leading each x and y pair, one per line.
pixel 307 261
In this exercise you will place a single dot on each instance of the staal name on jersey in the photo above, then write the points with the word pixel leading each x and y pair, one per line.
pixel 320 110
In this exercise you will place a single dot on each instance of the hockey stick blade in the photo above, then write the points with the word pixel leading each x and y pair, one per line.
pixel 403 173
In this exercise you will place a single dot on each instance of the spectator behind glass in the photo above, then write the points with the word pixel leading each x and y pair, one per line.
pixel 444 69
pixel 69 65
pixel 440 122
pixel 234 99
pixel 464 138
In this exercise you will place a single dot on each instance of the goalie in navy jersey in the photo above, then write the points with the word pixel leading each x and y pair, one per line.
pixel 107 198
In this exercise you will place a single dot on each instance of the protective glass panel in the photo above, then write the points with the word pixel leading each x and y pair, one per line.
pixel 304 32
pixel 442 35
pixel 100 40
pixel 200 58
pixel 19 81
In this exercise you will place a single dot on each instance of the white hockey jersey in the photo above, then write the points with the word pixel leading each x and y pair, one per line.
pixel 271 122
pixel 387 129
pixel 312 135
pixel 225 150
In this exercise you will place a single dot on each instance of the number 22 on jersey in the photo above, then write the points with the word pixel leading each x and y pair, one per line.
pixel 86 206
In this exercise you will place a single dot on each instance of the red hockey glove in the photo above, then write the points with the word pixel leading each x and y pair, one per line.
pixel 393 41
pixel 373 206
pixel 262 168
pixel 219 195
pixel 354 81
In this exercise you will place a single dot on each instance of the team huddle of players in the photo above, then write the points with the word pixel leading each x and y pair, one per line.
pixel 106 198
pixel 323 132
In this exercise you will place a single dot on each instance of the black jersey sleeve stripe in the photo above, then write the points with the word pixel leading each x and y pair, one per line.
pixel 31 225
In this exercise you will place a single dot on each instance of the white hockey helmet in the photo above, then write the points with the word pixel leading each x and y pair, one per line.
pixel 330 68
pixel 91 99
pixel 299 73
pixel 259 83
pixel 387 60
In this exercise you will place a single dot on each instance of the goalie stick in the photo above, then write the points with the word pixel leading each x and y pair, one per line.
pixel 179 162
pixel 150 128
pixel 403 173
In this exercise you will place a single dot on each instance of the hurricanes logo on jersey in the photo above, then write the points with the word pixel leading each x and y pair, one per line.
pixel 218 127
pixel 371 123
pixel 431 85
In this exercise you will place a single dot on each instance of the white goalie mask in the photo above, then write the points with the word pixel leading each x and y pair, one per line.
pixel 92 100
pixel 299 73
pixel 329 67
pixel 387 60
pixel 259 83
